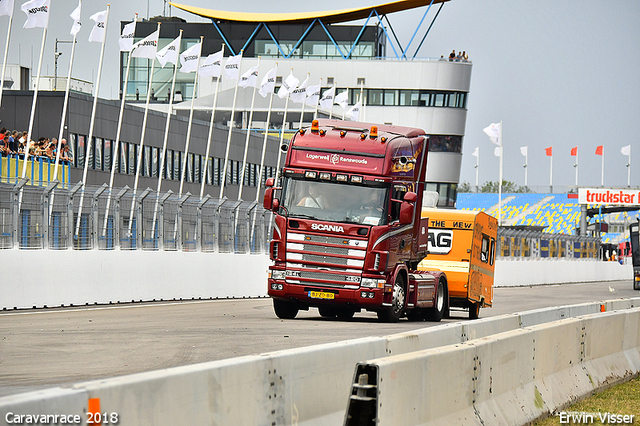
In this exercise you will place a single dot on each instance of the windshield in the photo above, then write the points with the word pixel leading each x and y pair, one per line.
pixel 335 202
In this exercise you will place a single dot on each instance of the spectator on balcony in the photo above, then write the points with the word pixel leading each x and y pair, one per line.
pixel 50 150
pixel 452 55
pixel 65 155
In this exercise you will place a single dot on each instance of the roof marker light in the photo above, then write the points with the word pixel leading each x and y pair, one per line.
pixel 363 136
pixel 302 131
pixel 383 139
pixel 323 132
pixel 373 133
pixel 343 133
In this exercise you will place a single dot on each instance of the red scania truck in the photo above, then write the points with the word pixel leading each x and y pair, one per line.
pixel 348 233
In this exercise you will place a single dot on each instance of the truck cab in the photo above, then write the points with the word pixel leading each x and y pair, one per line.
pixel 348 234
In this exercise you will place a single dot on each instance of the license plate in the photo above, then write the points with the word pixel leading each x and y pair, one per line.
pixel 321 295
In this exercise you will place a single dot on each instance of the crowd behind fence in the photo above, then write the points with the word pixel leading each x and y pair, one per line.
pixel 47 218
pixel 522 244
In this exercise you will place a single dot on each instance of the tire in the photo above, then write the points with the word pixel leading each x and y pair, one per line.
pixel 285 310
pixel 474 310
pixel 636 284
pixel 416 314
pixel 440 306
pixel 327 311
pixel 395 312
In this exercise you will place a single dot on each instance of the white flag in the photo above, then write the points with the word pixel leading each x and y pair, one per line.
pixel 147 47
pixel 170 52
pixel 75 15
pixel 249 78
pixel 497 151
pixel 37 12
pixel 126 38
pixel 6 7
pixel 524 150
pixel 354 111
pixel 232 67
pixel 476 152
pixel 493 131
pixel 268 83
pixel 98 31
pixel 189 58
pixel 313 95
pixel 288 85
pixel 327 98
pixel 211 66
pixel 341 99
pixel 299 94
pixel 626 150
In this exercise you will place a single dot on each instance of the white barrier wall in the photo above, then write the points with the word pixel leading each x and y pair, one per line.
pixel 511 378
pixel 52 278
pixel 510 273
pixel 308 386
pixel 37 278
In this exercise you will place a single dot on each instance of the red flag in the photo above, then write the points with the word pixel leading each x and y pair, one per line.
pixel 599 150
pixel 574 151
pixel 549 151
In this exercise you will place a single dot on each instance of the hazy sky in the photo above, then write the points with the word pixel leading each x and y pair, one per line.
pixel 556 73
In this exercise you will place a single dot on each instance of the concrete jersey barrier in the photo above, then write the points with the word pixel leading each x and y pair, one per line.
pixel 306 386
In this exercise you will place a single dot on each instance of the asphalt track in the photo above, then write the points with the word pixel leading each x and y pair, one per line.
pixel 61 346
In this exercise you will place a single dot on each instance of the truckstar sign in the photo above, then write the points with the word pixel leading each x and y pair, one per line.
pixel 620 197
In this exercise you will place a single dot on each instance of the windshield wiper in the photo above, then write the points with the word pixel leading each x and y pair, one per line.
pixel 303 216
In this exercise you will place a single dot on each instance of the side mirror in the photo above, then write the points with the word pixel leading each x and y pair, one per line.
pixel 270 182
pixel 267 203
pixel 407 208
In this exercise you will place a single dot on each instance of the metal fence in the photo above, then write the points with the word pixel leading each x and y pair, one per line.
pixel 58 219
pixel 524 244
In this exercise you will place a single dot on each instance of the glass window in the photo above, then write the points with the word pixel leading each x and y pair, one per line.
pixel 176 165
pixel 73 141
pixel 168 165
pixel 98 154
pixel 210 171
pixel 216 171
pixel 409 97
pixel 107 154
pixel 425 99
pixel 374 97
pixel 189 174
pixel 444 143
pixel 485 251
pixel 451 100
pixel 146 161
pixel 133 148
pixel 439 100
pixel 154 162
pixel 124 156
pixel 391 97
pixel 81 150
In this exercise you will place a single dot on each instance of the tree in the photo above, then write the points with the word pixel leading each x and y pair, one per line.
pixel 507 187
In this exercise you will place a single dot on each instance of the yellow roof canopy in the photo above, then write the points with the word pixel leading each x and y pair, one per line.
pixel 329 17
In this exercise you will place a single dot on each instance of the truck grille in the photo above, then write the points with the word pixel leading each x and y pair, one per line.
pixel 324 261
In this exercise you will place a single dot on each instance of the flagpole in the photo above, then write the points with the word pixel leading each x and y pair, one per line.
pixel 477 166
pixel 629 168
pixel 361 99
pixel 264 144
pixel 93 117
pixel 62 120
pixel 231 124
pixel 6 51
pixel 602 168
pixel 115 160
pixel 303 103
pixel 33 108
pixel 315 114
pixel 576 167
pixel 551 172
pixel 526 165
pixel 344 110
pixel 144 128
pixel 186 147
pixel 246 142
pixel 500 178
pixel 166 138
pixel 334 97
pixel 213 113
pixel 284 120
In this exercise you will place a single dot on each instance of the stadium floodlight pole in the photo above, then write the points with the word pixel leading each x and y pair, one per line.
pixel 246 142
pixel 141 147
pixel 231 125
pixel 114 157
pixel 6 50
pixel 93 118
pixel 211 123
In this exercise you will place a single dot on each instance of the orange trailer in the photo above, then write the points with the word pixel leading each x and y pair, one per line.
pixel 462 244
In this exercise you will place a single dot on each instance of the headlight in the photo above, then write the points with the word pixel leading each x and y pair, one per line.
pixel 277 274
pixel 372 283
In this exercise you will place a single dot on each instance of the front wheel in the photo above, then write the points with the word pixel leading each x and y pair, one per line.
pixel 285 310
pixel 394 313
pixel 440 304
